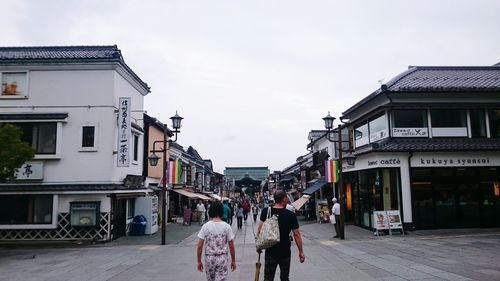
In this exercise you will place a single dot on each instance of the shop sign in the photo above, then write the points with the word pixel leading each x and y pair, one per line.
pixel 30 171
pixel 382 162
pixel 124 132
pixel 380 220
pixel 466 160
pixel 410 132
pixel 394 219
pixel 376 136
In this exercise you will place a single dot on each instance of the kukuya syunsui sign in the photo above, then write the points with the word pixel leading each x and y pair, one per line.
pixel 124 131
pixel 471 159
pixel 409 132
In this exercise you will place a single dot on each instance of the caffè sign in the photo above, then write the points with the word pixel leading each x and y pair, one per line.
pixel 410 132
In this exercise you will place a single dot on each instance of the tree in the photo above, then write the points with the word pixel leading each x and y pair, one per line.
pixel 13 151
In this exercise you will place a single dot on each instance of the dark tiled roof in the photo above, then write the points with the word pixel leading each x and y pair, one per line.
pixel 65 54
pixel 66 187
pixel 447 79
pixel 434 144
pixel 33 116
pixel 439 79
pixel 60 53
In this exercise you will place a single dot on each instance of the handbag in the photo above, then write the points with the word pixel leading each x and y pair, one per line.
pixel 332 219
pixel 270 233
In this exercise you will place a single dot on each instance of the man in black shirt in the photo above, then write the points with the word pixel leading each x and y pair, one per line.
pixel 280 253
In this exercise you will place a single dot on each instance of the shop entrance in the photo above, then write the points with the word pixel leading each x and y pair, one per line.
pixel 371 190
pixel 455 197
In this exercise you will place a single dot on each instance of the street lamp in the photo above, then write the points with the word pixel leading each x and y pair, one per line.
pixel 350 161
pixel 153 161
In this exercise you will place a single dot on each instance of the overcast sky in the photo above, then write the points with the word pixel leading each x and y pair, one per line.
pixel 252 78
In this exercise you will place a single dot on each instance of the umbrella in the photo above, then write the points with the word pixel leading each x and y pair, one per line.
pixel 257 269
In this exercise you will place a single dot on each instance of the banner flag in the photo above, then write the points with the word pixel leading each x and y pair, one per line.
pixel 174 172
pixel 332 171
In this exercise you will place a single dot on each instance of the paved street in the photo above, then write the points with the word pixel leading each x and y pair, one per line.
pixel 423 255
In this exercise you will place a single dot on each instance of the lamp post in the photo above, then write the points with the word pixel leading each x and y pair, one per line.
pixel 350 161
pixel 153 161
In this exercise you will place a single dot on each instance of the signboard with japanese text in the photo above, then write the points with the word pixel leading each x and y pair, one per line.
pixel 410 132
pixel 124 132
pixel 30 171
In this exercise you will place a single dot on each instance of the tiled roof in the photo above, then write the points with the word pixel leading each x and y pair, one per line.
pixel 439 79
pixel 60 53
pixel 434 144
pixel 66 187
pixel 33 116
pixel 447 79
pixel 65 54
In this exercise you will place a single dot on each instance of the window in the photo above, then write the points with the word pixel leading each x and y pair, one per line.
pixel 41 136
pixel 88 136
pixel 494 119
pixel 477 123
pixel 26 209
pixel 378 128
pixel 361 135
pixel 84 213
pixel 448 118
pixel 136 148
pixel 449 123
pixel 410 118
pixel 14 84
pixel 409 123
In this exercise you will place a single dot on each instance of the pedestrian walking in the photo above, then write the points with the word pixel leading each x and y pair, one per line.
pixel 186 215
pixel 336 213
pixel 255 212
pixel 216 235
pixel 226 212
pixel 239 216
pixel 246 209
pixel 280 253
pixel 200 209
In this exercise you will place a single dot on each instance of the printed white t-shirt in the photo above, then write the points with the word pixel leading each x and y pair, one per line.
pixel 216 236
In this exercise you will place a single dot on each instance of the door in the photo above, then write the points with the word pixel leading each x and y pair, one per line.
pixel 119 220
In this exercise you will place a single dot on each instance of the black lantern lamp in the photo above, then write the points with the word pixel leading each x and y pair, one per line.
pixel 329 121
pixel 153 159
pixel 176 121
pixel 350 158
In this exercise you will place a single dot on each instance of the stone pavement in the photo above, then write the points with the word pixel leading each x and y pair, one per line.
pixel 423 255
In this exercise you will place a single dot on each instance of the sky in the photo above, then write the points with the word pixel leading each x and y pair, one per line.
pixel 252 78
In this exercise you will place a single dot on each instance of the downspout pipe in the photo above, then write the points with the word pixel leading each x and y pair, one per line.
pixel 408 226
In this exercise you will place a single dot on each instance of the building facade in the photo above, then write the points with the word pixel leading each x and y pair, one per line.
pixel 428 144
pixel 81 110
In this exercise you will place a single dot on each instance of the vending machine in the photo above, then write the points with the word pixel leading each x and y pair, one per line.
pixel 148 207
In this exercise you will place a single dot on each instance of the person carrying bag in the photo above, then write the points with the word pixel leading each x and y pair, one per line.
pixel 270 233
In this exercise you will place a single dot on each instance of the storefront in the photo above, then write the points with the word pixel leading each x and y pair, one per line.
pixel 374 184
pixel 452 190
pixel 431 190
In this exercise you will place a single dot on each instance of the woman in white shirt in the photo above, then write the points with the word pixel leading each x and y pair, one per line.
pixel 216 235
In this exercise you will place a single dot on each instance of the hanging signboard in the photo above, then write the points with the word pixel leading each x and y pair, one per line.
pixel 124 132
pixel 30 171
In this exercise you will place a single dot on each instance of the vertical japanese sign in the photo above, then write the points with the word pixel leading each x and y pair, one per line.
pixel 124 132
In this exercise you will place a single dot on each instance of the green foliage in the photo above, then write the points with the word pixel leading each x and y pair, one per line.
pixel 13 151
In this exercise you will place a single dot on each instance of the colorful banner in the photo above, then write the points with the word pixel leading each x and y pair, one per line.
pixel 331 170
pixel 174 172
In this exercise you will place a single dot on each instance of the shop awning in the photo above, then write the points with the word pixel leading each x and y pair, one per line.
pixel 297 204
pixel 315 187
pixel 203 197
pixel 186 193
pixel 217 197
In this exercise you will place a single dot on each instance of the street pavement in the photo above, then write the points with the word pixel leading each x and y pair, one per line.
pixel 422 255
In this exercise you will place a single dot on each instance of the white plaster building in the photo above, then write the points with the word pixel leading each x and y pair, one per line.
pixel 66 101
